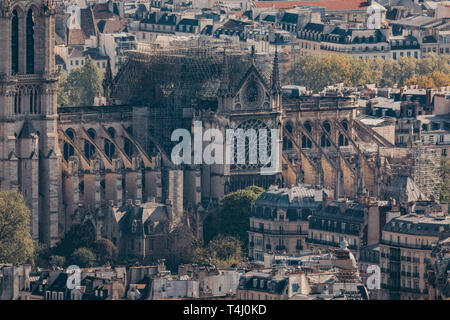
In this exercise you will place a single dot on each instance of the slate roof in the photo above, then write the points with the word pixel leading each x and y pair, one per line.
pixel 168 19
pixel 147 218
pixel 87 22
pixel 207 30
pixel 297 196
pixel 59 60
pixel 269 18
pixel 330 5
pixel 403 189
pixel 429 39
pixel 59 284
pixel 234 25
pixel 353 210
pixel 257 281
pixel 316 27
pixel 289 18
pixel 189 22
pixel 418 225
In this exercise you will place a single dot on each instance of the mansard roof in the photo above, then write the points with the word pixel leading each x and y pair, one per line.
pixel 419 224
pixel 258 281
pixel 289 18
pixel 315 27
pixel 298 196
pixel 139 219
pixel 350 211
pixel 330 5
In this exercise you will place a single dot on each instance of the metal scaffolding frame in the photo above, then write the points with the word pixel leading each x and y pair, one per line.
pixel 426 169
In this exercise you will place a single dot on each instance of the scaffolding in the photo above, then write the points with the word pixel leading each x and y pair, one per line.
pixel 177 83
pixel 426 170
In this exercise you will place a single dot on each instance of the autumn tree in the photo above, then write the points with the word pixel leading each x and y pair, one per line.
pixel 435 80
pixel 424 82
pixel 222 251
pixel 105 251
pixel 81 86
pixel 318 71
pixel 16 244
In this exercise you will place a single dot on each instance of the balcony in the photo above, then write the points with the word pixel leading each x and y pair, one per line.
pixel 329 243
pixel 279 232
pixel 280 248
pixel 406 245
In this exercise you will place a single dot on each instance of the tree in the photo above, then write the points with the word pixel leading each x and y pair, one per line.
pixel 436 79
pixel 42 255
pixel 440 79
pixel 318 71
pixel 83 257
pixel 222 251
pixel 234 213
pixel 63 92
pixel 58 261
pixel 424 82
pixel 407 68
pixel 105 251
pixel 181 243
pixel 81 86
pixel 82 235
pixel 16 244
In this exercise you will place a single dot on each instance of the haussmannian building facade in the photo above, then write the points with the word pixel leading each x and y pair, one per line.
pixel 405 250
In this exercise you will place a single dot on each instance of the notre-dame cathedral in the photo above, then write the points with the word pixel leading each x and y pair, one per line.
pixel 111 163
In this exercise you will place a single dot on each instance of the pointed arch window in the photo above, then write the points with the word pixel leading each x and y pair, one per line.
pixel 110 148
pixel 324 142
pixel 15 43
pixel 30 42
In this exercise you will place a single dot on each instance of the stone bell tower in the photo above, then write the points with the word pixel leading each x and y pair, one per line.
pixel 29 152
